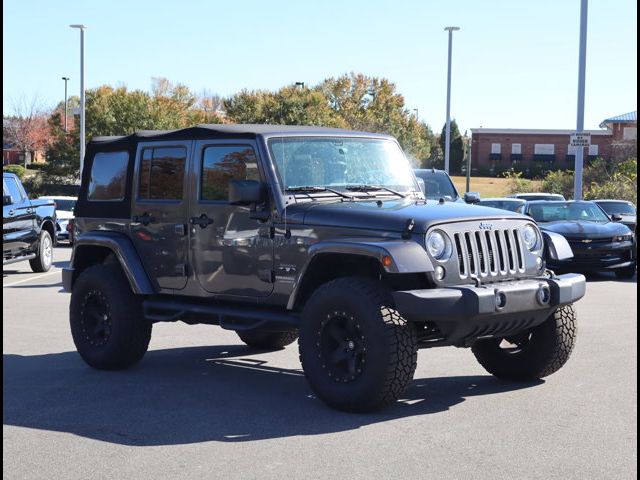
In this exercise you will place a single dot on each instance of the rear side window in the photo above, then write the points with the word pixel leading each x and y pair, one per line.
pixel 162 173
pixel 10 187
pixel 108 177
pixel 222 163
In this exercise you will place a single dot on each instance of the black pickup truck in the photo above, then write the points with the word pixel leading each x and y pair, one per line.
pixel 28 226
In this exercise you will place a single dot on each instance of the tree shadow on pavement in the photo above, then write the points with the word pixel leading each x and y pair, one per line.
pixel 199 394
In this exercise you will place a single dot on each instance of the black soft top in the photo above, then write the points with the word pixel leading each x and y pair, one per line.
pixel 205 131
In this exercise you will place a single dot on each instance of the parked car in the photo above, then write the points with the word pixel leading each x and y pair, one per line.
pixel 510 204
pixel 538 196
pixel 280 232
pixel 64 214
pixel 28 226
pixel 597 242
pixel 437 184
pixel 620 211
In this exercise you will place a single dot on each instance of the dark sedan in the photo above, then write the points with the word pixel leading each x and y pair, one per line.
pixel 620 211
pixel 510 204
pixel 596 241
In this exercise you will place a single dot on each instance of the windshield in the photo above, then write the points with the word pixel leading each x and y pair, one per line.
pixel 501 204
pixel 540 197
pixel 66 205
pixel 620 208
pixel 561 212
pixel 438 186
pixel 341 162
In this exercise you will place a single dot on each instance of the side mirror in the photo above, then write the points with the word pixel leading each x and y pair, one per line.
pixel 246 192
pixel 7 200
pixel 616 217
pixel 423 187
pixel 472 197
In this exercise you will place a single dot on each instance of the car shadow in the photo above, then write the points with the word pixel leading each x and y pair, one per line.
pixel 607 277
pixel 199 394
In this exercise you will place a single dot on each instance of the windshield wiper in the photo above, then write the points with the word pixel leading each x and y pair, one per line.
pixel 373 188
pixel 315 188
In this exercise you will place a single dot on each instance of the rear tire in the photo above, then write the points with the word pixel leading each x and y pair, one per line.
pixel 268 340
pixel 537 353
pixel 107 321
pixel 357 352
pixel 44 255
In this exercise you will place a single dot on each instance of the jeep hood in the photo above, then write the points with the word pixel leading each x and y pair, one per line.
pixel 391 215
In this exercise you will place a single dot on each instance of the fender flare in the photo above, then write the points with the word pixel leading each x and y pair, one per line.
pixel 407 256
pixel 125 253
pixel 557 246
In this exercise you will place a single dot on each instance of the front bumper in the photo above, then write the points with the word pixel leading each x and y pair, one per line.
pixel 467 312
pixel 600 257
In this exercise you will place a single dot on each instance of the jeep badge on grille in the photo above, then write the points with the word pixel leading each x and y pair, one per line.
pixel 486 226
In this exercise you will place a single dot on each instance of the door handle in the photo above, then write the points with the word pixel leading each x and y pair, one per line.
pixel 144 219
pixel 11 212
pixel 202 220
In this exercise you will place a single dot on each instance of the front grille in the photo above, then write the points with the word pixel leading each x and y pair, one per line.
pixel 489 253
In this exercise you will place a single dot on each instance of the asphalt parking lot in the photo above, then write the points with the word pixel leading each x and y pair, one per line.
pixel 202 405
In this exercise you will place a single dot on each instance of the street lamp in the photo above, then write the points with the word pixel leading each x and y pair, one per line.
pixel 66 79
pixel 82 119
pixel 300 84
pixel 447 143
pixel 582 61
pixel 416 110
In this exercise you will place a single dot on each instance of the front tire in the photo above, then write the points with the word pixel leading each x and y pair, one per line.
pixel 44 255
pixel 107 321
pixel 267 340
pixel 533 354
pixel 357 352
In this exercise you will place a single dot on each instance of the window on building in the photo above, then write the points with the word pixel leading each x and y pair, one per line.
pixel 108 177
pixel 162 173
pixel 516 148
pixel 495 148
pixel 543 149
pixel 630 133
pixel 222 163
pixel 593 150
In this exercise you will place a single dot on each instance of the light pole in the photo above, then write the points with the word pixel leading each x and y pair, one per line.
pixel 300 84
pixel 447 144
pixel 66 79
pixel 416 110
pixel 82 119
pixel 582 62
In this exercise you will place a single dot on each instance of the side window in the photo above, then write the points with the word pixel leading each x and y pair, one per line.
pixel 108 177
pixel 162 173
pixel 10 187
pixel 222 163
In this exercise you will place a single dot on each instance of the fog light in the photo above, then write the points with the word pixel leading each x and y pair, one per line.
pixel 501 300
pixel 440 272
pixel 543 295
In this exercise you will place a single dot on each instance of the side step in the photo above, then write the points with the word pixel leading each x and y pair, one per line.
pixel 230 317
pixel 9 261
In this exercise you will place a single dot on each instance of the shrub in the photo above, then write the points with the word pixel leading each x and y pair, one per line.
pixel 516 182
pixel 18 170
pixel 560 182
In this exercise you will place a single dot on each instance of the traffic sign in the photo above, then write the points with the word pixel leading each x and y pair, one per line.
pixel 582 139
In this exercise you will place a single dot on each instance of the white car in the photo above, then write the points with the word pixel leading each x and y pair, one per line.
pixel 64 214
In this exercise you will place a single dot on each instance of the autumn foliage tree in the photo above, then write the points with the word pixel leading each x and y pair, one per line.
pixel 28 129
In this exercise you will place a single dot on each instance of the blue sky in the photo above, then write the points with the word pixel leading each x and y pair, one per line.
pixel 514 62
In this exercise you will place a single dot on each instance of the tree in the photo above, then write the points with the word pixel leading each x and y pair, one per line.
pixel 456 150
pixel 27 129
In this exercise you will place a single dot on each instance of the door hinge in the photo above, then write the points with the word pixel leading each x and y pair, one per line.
pixel 181 270
pixel 180 229
pixel 268 276
pixel 267 232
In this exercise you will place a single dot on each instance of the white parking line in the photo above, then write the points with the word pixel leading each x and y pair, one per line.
pixel 29 279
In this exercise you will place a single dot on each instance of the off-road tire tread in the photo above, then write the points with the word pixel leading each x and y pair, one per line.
pixel 400 334
pixel 559 332
pixel 112 280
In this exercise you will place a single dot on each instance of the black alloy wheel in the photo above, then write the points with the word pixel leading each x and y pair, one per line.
pixel 342 347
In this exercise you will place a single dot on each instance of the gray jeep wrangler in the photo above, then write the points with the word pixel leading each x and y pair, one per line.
pixel 278 232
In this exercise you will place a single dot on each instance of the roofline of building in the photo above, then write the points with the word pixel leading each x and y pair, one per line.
pixel 535 131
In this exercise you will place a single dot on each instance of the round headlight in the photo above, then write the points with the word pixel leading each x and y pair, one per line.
pixel 438 245
pixel 530 237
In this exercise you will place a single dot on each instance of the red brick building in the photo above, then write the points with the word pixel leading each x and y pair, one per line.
pixel 501 148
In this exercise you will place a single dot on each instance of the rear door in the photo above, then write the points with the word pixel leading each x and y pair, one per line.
pixel 18 224
pixel 231 253
pixel 159 211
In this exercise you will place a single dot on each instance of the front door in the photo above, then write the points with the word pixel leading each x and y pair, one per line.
pixel 18 222
pixel 159 211
pixel 231 253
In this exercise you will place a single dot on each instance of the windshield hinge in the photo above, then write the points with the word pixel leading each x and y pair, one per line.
pixel 408 228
